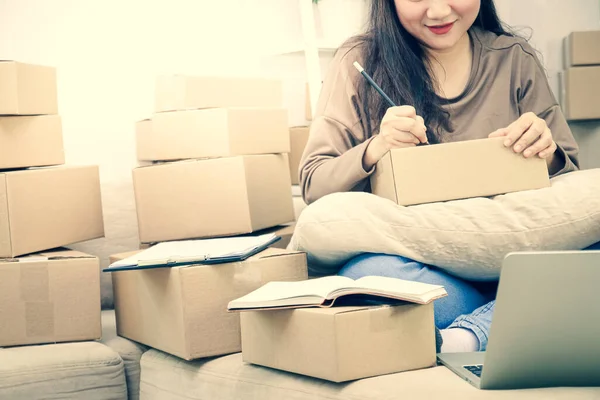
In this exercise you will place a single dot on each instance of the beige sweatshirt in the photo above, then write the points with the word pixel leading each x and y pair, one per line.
pixel 506 81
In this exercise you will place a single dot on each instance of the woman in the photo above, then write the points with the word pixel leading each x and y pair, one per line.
pixel 457 75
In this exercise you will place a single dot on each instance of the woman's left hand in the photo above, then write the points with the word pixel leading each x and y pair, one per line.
pixel 528 135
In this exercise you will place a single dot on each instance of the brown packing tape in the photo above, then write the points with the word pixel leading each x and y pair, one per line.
pixel 35 293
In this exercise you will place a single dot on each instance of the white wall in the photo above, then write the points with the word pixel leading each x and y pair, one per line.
pixel 109 52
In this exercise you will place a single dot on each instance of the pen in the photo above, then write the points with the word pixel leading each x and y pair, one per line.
pixel 375 86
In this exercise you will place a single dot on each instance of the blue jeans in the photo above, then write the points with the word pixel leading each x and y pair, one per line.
pixel 466 306
pixel 469 305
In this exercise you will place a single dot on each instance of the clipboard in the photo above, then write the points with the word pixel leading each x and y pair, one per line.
pixel 165 254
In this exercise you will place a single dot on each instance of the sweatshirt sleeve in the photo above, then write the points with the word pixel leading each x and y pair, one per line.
pixel 536 96
pixel 332 159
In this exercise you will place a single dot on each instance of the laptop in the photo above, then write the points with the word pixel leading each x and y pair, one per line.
pixel 546 325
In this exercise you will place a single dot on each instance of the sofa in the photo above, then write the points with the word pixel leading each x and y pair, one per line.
pixel 115 368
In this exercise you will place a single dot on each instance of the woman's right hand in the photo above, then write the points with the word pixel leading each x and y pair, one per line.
pixel 400 127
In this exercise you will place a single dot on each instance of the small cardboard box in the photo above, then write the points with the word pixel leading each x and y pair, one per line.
pixel 298 140
pixel 215 132
pixel 581 48
pixel 341 343
pixel 49 297
pixel 181 92
pixel 183 310
pixel 580 93
pixel 458 170
pixel 212 197
pixel 44 208
pixel 27 89
pixel 31 141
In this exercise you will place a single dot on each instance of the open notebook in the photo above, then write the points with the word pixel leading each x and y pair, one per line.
pixel 323 292
pixel 200 251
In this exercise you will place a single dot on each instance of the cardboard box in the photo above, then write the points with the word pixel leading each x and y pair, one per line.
pixel 180 92
pixel 458 170
pixel 341 343
pixel 215 132
pixel 31 141
pixel 581 48
pixel 580 93
pixel 183 310
pixel 27 89
pixel 298 140
pixel 49 297
pixel 212 197
pixel 44 208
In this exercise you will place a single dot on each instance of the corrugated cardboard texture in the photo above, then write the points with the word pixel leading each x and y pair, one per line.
pixel 149 308
pixel 5 242
pixel 217 132
pixel 189 199
pixel 382 180
pixel 298 139
pixel 27 89
pixel 581 48
pixel 179 92
pixel 208 198
pixel 341 343
pixel 55 297
pixel 268 183
pixel 258 131
pixel 9 94
pixel 31 141
pixel 580 93
pixel 458 170
pixel 183 310
pixel 52 207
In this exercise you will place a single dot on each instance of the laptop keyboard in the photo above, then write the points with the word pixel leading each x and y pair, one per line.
pixel 475 369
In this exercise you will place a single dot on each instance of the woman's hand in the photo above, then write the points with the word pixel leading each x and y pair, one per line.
pixel 400 127
pixel 529 135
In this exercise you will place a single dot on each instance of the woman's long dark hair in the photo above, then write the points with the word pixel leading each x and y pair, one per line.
pixel 397 62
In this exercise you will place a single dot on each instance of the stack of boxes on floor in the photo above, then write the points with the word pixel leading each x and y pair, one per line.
pixel 580 79
pixel 48 293
pixel 217 170
pixel 298 140
pixel 218 167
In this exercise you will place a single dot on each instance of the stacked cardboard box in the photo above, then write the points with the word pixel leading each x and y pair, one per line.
pixel 580 79
pixel 217 150
pixel 49 294
pixel 298 140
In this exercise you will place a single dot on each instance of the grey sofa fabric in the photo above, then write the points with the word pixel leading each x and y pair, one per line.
pixel 69 371
pixel 165 377
pixel 130 352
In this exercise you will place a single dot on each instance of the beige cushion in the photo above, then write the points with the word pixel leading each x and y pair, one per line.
pixel 68 371
pixel 468 238
pixel 129 351
pixel 165 377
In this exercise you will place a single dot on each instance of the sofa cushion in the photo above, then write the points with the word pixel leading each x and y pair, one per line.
pixel 69 371
pixel 468 238
pixel 130 352
pixel 165 377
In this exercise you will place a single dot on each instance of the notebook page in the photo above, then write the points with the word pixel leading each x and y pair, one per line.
pixel 272 291
pixel 409 289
